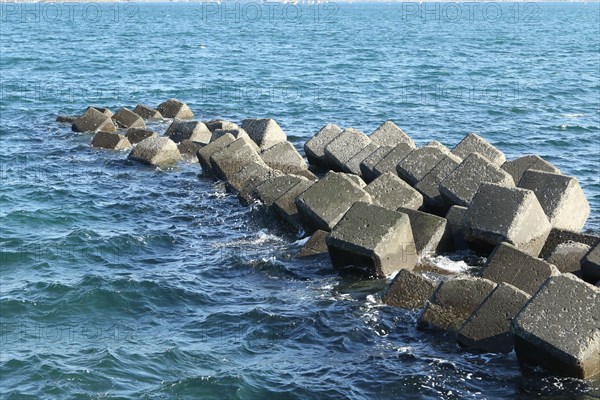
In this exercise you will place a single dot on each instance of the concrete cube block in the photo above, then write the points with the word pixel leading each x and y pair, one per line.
pixel 136 135
pixel 221 124
pixel 590 265
pixel 314 148
pixel 561 198
pixel 559 328
pixel 66 119
pixel 125 118
pixel 275 187
pixel 237 133
pixel 248 179
pixel 264 131
pixel 285 158
pixel 157 151
pixel 508 264
pixel 205 153
pixel 110 140
pixel 372 241
pixel 367 165
pixel 460 186
pixel 431 233
pixel 391 192
pixel 558 236
pixel 409 290
pixel 429 185
pixel 473 143
pixel 455 217
pixel 353 165
pixel 195 131
pixel 389 134
pixel 102 110
pixel 391 160
pixel 326 202
pixel 147 112
pixel 93 121
pixel 233 158
pixel 188 150
pixel 453 302
pixel 513 215
pixel 567 257
pixel 488 327
pixel 285 205
pixel 173 108
pixel 316 245
pixel 356 179
pixel 419 162
pixel 517 167
pixel 345 146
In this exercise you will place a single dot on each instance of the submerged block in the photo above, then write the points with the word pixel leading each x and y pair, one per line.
pixel 517 167
pixel 513 215
pixel 315 246
pixel 314 148
pixel 389 134
pixel 455 217
pixel 188 150
pixel 345 146
pixel 510 265
pixel 409 290
pixel 173 108
pixel 195 131
pixel 559 328
pixel 110 140
pixel 419 162
pixel 391 192
pixel 326 202
pixel 136 135
pixel 558 236
pixel 221 124
pixel 373 241
pixel 561 198
pixel 147 112
pixel 125 118
pixel 156 151
pixel 93 121
pixel 265 132
pixel 488 328
pixel 473 143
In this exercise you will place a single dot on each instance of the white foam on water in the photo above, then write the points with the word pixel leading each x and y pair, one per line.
pixel 447 264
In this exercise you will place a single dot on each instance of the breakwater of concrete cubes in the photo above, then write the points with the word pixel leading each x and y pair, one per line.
pixel 376 205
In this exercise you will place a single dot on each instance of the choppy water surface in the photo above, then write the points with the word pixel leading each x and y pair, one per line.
pixel 123 281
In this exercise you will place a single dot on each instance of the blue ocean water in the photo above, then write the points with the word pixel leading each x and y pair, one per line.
pixel 123 281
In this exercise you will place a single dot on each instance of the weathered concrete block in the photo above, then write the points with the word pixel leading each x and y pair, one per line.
pixel 388 134
pixel 285 205
pixel 125 118
pixel 326 202
pixel 453 302
pixel 391 160
pixel 429 185
pixel 195 131
pixel 419 162
pixel 68 119
pixel 590 265
pixel 314 148
pixel 275 187
pixel 248 179
pixel 147 112
pixel 567 256
pixel 488 328
pixel 285 158
pixel 356 179
pixel 173 108
pixel 93 121
pixel 517 167
pixel 102 110
pixel 205 153
pixel 372 241
pixel 473 143
pixel 345 146
pixel 158 151
pixel 264 131
pixel 561 198
pixel 558 236
pixel 237 133
pixel 455 217
pixel 460 186
pixel 110 140
pixel 136 135
pixel 391 192
pixel 508 264
pixel 513 215
pixel 188 150
pixel 221 124
pixel 353 165
pixel 409 290
pixel 431 233
pixel 559 328
pixel 233 158
pixel 315 246
pixel 367 166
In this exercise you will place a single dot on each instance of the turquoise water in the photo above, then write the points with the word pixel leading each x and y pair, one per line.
pixel 122 281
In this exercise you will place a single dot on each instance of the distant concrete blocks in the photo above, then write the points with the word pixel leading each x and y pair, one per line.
pixel 345 146
pixel 473 143
pixel 409 290
pixel 514 215
pixel 314 148
pixel 264 131
pixel 559 328
pixel 194 131
pixel 517 167
pixel 220 124
pixel 372 241
pixel 110 140
pixel 136 135
pixel 93 121
pixel 561 198
pixel 388 134
pixel 325 203
pixel 173 108
pixel 147 112
pixel 391 192
pixel 459 187
pixel 158 151
pixel 510 265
